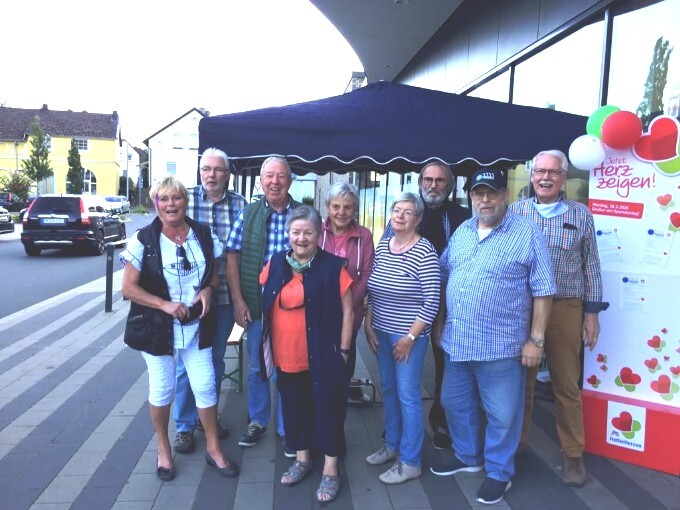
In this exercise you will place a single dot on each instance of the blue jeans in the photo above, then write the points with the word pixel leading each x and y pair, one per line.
pixel 498 388
pixel 259 396
pixel 400 384
pixel 185 413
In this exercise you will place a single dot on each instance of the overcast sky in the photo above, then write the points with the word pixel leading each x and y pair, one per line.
pixel 153 60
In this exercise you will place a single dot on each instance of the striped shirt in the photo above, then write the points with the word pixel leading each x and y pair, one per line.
pixel 404 287
pixel 277 237
pixel 490 287
pixel 219 216
pixel 573 250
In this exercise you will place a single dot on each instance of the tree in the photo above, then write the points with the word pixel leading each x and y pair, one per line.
pixel 37 166
pixel 17 184
pixel 652 102
pixel 74 176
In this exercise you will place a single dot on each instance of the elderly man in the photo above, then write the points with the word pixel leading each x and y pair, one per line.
pixel 498 295
pixel 569 229
pixel 440 220
pixel 213 204
pixel 258 233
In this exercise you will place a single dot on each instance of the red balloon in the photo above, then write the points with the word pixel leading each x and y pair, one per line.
pixel 621 129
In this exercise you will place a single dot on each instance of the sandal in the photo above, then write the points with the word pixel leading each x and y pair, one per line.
pixel 329 486
pixel 296 473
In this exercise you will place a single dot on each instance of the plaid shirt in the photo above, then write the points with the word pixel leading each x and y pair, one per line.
pixel 277 237
pixel 490 288
pixel 219 216
pixel 573 250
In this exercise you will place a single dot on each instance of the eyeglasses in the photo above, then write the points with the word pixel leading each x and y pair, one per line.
pixel 218 169
pixel 439 181
pixel 296 307
pixel 181 252
pixel 541 172
pixel 491 194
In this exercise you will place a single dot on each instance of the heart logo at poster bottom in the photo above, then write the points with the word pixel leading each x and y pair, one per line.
pixel 675 219
pixel 664 200
pixel 662 385
pixel 623 422
pixel 661 144
pixel 629 377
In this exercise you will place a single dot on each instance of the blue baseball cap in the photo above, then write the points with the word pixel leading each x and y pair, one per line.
pixel 493 178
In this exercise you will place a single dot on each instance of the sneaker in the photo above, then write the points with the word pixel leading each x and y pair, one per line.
pixel 222 432
pixel 252 436
pixel 184 442
pixel 441 439
pixel 400 473
pixel 287 450
pixel 357 396
pixel 381 456
pixel 492 491
pixel 574 472
pixel 454 465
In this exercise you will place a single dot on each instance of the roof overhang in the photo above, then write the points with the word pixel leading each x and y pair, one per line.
pixel 386 34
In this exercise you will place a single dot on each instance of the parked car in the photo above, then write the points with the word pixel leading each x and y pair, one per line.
pixel 11 201
pixel 119 204
pixel 6 223
pixel 63 221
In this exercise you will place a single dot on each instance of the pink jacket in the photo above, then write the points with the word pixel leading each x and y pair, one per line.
pixel 360 251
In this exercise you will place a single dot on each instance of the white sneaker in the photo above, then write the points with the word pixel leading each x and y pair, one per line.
pixel 381 456
pixel 400 473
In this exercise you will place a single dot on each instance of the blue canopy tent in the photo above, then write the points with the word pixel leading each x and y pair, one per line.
pixel 390 127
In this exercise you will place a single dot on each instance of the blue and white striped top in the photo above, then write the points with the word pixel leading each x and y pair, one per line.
pixel 404 287
pixel 490 288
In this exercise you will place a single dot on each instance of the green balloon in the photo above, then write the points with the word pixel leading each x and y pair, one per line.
pixel 597 118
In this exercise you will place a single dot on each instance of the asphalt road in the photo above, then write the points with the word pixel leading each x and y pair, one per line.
pixel 29 280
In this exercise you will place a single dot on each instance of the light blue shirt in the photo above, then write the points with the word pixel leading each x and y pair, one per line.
pixel 490 286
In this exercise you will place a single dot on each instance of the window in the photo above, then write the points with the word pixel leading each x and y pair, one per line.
pixel 81 144
pixel 172 168
pixel 554 78
pixel 177 143
pixel 497 89
pixel 641 40
pixel 193 144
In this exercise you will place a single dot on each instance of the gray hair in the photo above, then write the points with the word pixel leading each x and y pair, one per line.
pixel 307 213
pixel 343 190
pixel 450 181
pixel 277 159
pixel 212 151
pixel 169 183
pixel 564 162
pixel 407 196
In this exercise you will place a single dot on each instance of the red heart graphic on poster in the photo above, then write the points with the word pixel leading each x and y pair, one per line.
pixel 593 379
pixel 675 219
pixel 662 385
pixel 629 377
pixel 664 200
pixel 623 422
pixel 600 358
pixel 651 363
pixel 675 370
pixel 661 143
pixel 655 341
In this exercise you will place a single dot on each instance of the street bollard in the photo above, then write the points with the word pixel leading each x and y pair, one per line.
pixel 108 306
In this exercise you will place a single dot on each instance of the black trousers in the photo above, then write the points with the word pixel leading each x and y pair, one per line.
pixel 437 416
pixel 313 414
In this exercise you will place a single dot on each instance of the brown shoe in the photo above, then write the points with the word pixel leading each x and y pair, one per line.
pixel 574 472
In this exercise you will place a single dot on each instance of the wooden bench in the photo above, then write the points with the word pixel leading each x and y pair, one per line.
pixel 235 342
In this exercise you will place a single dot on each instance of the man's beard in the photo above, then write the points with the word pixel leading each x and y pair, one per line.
pixel 433 201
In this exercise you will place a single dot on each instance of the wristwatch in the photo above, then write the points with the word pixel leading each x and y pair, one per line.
pixel 538 342
pixel 411 337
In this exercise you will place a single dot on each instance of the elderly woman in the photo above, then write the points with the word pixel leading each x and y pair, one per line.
pixel 342 236
pixel 307 308
pixel 169 277
pixel 403 298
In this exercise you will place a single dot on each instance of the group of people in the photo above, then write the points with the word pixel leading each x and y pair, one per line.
pixel 491 292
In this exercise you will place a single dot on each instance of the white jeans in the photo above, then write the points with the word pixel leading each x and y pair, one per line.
pixel 199 366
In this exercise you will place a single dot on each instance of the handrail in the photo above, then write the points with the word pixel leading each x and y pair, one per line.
pixel 108 303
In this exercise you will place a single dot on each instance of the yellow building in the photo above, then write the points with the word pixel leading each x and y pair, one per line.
pixel 96 136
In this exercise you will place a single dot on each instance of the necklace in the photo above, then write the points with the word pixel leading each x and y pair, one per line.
pixel 403 247
pixel 179 235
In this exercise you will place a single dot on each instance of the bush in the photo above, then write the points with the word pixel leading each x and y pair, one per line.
pixel 17 184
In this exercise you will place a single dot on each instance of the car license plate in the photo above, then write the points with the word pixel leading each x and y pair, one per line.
pixel 52 221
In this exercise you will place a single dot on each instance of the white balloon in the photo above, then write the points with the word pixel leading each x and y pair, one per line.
pixel 587 152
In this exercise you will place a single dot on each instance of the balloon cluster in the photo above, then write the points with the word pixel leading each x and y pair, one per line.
pixel 607 126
